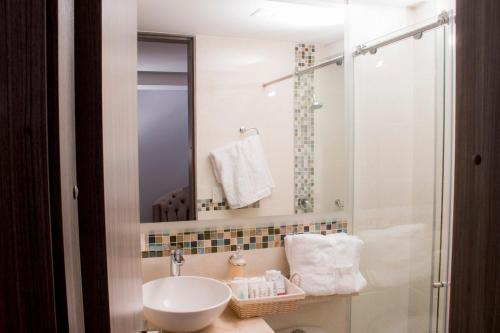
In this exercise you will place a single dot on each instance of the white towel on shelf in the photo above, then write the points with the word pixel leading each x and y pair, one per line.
pixel 241 168
pixel 348 278
pixel 325 265
pixel 311 266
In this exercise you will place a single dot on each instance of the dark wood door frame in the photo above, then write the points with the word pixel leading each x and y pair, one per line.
pixel 475 282
pixel 32 279
pixel 190 43
pixel 52 47
pixel 90 165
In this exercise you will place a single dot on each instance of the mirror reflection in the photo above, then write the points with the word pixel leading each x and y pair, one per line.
pixel 246 119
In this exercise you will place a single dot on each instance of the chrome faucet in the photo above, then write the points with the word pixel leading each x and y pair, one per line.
pixel 176 261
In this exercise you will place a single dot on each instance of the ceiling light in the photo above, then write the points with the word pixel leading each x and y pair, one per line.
pixel 298 14
pixel 271 93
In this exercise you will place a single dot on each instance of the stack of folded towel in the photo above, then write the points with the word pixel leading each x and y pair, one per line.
pixel 242 170
pixel 325 265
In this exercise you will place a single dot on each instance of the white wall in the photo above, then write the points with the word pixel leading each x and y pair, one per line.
pixel 331 174
pixel 229 94
pixel 326 51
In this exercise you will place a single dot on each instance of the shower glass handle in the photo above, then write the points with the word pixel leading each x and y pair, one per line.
pixel 440 284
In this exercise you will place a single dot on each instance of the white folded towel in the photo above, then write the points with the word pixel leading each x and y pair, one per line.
pixel 348 278
pixel 325 265
pixel 241 168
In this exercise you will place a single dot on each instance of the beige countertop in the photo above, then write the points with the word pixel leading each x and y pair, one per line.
pixel 228 322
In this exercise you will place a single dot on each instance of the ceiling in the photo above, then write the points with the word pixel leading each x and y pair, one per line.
pixel 318 21
pixel 314 21
pixel 399 3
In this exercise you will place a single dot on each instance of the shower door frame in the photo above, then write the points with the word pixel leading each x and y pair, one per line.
pixel 443 230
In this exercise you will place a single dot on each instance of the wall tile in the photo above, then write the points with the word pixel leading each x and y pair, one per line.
pixel 304 129
pixel 225 240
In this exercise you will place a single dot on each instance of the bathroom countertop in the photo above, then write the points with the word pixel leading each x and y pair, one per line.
pixel 228 322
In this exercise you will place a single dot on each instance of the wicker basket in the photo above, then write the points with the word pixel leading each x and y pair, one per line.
pixel 263 306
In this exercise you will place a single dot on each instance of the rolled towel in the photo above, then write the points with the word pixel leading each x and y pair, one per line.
pixel 347 249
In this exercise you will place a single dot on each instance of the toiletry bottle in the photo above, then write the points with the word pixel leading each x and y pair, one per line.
pixel 239 288
pixel 278 281
pixel 271 288
pixel 253 287
pixel 263 290
pixel 238 264
pixel 280 285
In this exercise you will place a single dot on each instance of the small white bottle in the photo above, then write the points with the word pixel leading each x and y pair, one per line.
pixel 278 281
pixel 280 286
pixel 271 288
pixel 253 288
pixel 240 288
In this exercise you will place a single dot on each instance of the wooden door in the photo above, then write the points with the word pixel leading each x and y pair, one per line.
pixel 32 274
pixel 475 283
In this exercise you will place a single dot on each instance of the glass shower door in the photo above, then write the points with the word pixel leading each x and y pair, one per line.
pixel 402 144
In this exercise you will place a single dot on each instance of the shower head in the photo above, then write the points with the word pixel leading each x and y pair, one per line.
pixel 316 104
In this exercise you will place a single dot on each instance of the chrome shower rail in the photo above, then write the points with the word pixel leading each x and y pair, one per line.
pixel 337 60
pixel 442 19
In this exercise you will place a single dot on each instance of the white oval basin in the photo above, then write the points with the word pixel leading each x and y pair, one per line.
pixel 184 303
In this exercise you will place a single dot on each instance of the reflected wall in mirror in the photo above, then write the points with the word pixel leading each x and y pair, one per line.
pixel 274 68
pixel 165 128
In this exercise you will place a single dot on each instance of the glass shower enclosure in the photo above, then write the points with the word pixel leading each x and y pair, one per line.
pixel 402 179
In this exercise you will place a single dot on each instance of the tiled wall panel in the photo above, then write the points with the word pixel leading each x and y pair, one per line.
pixel 158 244
pixel 304 129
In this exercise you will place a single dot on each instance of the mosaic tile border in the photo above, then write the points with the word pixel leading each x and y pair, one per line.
pixel 206 205
pixel 217 240
pixel 304 129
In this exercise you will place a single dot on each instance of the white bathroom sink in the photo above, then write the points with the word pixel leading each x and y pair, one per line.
pixel 184 303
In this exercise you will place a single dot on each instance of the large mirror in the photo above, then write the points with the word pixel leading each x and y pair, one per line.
pixel 245 119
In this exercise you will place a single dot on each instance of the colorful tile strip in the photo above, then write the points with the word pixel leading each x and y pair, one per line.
pixel 205 205
pixel 304 130
pixel 227 239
